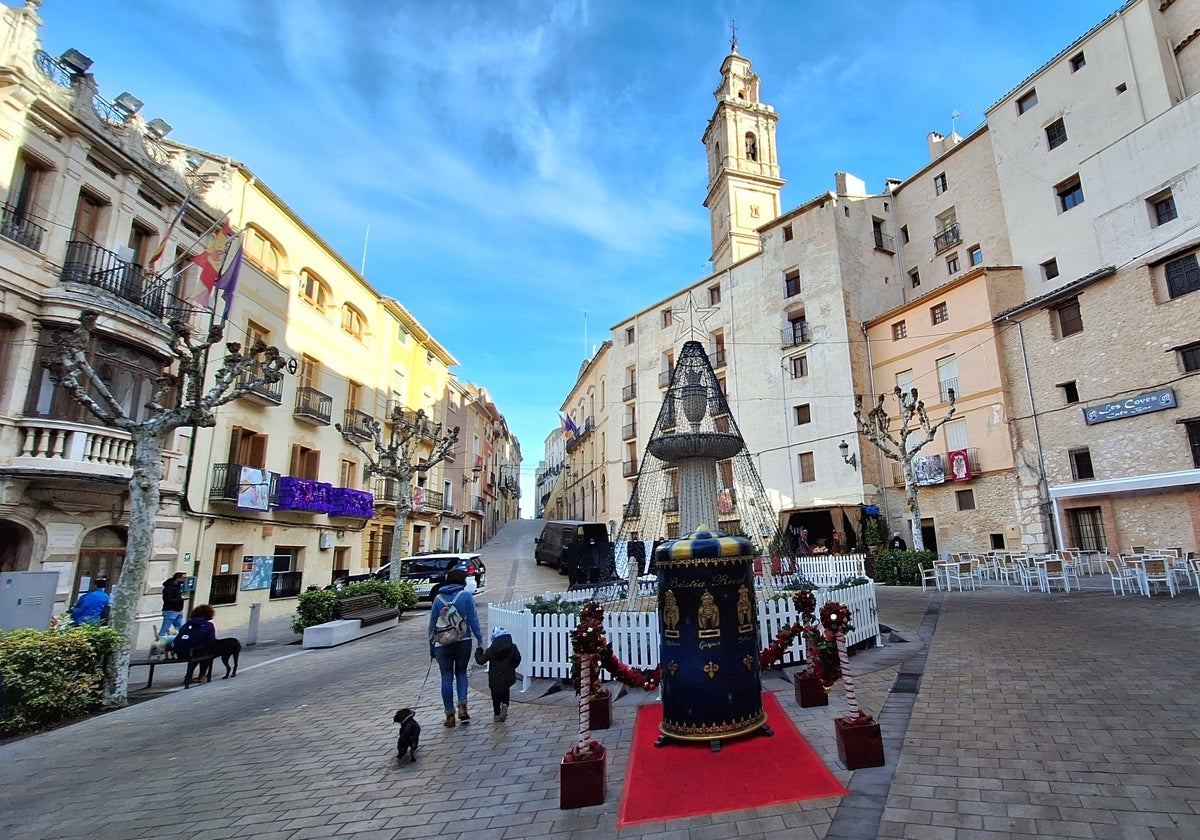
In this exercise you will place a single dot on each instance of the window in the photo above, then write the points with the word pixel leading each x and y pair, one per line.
pixel 975 255
pixel 714 295
pixel 947 373
pixel 791 282
pixel 803 414
pixel 1081 463
pixel 1163 208
pixel 1070 193
pixel 353 322
pixel 939 184
pixel 1193 433
pixel 27 196
pixel 667 318
pixel 905 381
pixel 89 215
pixel 1050 269
pixel 313 291
pixel 1121 88
pixel 914 277
pixel 939 314
pixel 807 471
pixel 1189 357
pixel 1026 101
pixel 261 251
pixel 751 147
pixel 629 335
pixel 797 329
pixel 348 475
pixel 947 234
pixel 1085 527
pixel 952 264
pixel 965 499
pixel 904 233
pixel 1070 391
pixel 883 241
pixel 956 434
pixel 1069 319
pixel 1077 62
pixel 787 233
pixel 1183 276
pixel 899 330
pixel 799 367
pixel 305 463
pixel 130 373
pixel 310 372
pixel 1056 134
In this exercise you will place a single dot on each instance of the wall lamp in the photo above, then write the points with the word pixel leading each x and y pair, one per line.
pixel 852 460
pixel 476 471
pixel 75 61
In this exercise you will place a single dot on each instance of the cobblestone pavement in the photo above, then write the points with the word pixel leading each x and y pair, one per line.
pixel 1061 715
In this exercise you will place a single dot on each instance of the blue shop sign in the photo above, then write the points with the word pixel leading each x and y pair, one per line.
pixel 1141 404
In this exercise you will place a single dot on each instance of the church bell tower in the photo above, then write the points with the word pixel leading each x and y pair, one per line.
pixel 743 166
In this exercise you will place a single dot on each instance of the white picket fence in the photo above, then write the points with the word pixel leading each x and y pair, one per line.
pixel 545 638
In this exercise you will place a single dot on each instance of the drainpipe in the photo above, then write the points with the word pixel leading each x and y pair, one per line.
pixel 1043 486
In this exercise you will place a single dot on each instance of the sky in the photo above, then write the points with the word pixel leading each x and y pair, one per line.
pixel 531 172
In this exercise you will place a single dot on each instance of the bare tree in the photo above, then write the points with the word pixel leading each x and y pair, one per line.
pixel 180 399
pixel 904 443
pixel 399 460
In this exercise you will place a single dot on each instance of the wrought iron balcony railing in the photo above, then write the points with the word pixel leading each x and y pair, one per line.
pixel 717 358
pixel 629 391
pixel 670 504
pixel 312 404
pixel 286 584
pixel 94 266
pixel 796 333
pixel 357 423
pixel 17 227
pixel 629 468
pixel 227 485
pixel 945 386
pixel 885 242
pixel 946 237
pixel 629 431
pixel 270 392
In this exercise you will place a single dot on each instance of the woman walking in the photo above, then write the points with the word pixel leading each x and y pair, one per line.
pixel 453 620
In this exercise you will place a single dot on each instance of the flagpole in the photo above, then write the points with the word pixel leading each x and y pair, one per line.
pixel 362 272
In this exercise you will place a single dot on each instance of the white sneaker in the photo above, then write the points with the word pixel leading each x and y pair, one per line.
pixel 503 712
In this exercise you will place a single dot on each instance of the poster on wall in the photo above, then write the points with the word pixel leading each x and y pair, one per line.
pixel 418 499
pixel 257 571
pixel 927 469
pixel 960 465
pixel 253 489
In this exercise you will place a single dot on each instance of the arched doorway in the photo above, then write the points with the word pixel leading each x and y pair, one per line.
pixel 101 555
pixel 16 546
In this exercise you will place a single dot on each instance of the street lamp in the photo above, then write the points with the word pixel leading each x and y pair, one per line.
pixel 852 460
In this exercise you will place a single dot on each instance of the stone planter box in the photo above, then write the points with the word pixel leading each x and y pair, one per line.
pixel 859 744
pixel 583 783
pixel 810 692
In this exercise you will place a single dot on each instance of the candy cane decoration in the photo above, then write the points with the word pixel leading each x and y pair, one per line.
pixel 847 680
pixel 585 689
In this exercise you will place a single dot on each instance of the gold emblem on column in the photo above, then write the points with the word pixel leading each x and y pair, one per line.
pixel 708 617
pixel 673 668
pixel 745 612
pixel 670 616
pixel 711 669
pixel 748 661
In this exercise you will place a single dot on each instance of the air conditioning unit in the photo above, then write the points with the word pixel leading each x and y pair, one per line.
pixel 325 541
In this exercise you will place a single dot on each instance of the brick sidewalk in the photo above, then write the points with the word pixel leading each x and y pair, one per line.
pixel 1036 715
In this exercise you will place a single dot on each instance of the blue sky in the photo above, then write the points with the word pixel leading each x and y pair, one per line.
pixel 519 163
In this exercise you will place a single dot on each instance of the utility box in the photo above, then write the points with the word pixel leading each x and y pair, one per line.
pixel 27 599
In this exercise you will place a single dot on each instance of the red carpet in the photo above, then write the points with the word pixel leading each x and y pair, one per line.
pixel 683 779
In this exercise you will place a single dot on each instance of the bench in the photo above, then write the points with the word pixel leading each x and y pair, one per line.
pixel 162 660
pixel 368 609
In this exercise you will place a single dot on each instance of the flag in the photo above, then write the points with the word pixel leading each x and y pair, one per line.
pixel 162 245
pixel 570 430
pixel 228 280
pixel 210 261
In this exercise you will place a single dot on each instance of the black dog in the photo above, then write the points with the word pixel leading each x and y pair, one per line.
pixel 410 734
pixel 202 664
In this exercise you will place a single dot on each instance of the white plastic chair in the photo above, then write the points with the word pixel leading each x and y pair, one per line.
pixel 1121 575
pixel 928 576
pixel 1157 570
pixel 959 573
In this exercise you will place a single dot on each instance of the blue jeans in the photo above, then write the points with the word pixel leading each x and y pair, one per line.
pixel 171 618
pixel 452 661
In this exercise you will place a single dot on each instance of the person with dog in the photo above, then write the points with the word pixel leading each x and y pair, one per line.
pixel 453 620
pixel 195 641
pixel 172 598
pixel 503 659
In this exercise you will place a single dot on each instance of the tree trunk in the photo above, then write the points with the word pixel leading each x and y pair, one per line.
pixel 914 507
pixel 403 509
pixel 144 496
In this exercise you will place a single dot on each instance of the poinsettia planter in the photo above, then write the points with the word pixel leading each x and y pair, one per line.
pixel 859 742
pixel 582 780
pixel 600 710
pixel 809 691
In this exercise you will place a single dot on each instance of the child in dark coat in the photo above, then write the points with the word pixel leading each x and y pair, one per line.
pixel 503 659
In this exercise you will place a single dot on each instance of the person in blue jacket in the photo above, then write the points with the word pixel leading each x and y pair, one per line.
pixel 91 606
pixel 454 657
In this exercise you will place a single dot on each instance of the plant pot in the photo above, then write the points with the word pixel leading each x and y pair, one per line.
pixel 860 743
pixel 582 783
pixel 600 711
pixel 810 692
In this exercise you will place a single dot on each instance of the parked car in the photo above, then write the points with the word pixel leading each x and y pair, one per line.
pixel 579 549
pixel 427 570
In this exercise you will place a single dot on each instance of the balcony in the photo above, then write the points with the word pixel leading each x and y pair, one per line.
pixel 249 488
pixel 629 392
pixel 796 333
pixel 48 445
pixel 224 589
pixel 717 358
pixel 629 431
pixel 286 584
pixel 425 500
pixel 629 468
pixel 943 460
pixel 346 501
pixel 357 423
pixel 945 387
pixel 947 237
pixel 17 228
pixel 885 241
pixel 670 504
pixel 314 406
pixel 267 393
pixel 94 266
pixel 304 495
pixel 664 378
pixel 632 509
pixel 387 491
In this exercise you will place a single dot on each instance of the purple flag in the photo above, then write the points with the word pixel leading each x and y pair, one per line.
pixel 228 280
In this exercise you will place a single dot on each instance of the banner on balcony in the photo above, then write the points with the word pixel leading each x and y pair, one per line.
pixel 418 499
pixel 960 465
pixel 345 501
pixel 304 494
pixel 253 489
pixel 257 571
pixel 927 469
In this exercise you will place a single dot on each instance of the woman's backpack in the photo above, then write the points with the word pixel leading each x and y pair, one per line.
pixel 450 626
